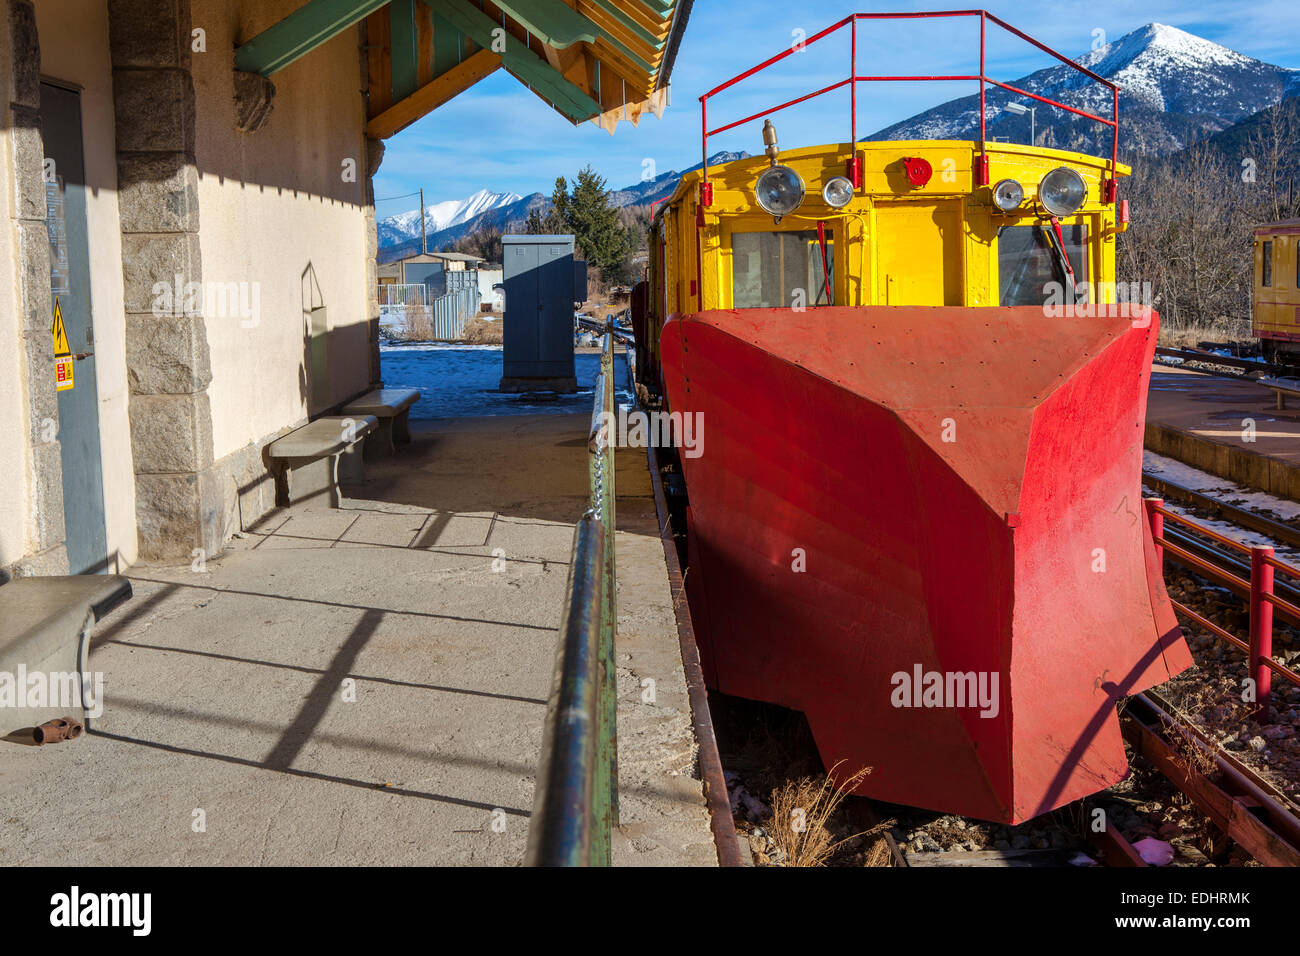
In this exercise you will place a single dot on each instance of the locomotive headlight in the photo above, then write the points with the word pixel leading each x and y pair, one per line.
pixel 779 190
pixel 1062 191
pixel 1008 194
pixel 838 192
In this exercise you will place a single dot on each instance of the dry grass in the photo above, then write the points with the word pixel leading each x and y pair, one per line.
pixel 800 810
pixel 416 325
pixel 483 332
pixel 1220 715
pixel 1191 335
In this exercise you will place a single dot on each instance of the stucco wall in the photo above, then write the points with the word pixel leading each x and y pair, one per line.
pixel 81 56
pixel 272 202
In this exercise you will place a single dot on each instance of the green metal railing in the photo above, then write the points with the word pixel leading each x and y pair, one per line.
pixel 576 804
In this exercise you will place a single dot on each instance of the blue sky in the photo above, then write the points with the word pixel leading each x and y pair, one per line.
pixel 498 135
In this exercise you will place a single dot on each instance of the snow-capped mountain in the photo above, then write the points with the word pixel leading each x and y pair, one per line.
pixel 405 226
pixel 1176 88
pixel 399 235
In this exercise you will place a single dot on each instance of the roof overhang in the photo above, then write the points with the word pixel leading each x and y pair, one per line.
pixel 597 60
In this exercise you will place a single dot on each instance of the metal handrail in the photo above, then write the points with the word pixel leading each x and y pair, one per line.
pixel 576 803
pixel 1258 590
pixel 854 78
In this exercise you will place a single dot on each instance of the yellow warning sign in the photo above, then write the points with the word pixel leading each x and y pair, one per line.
pixel 62 354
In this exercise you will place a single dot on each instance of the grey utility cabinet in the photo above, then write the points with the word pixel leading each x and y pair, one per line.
pixel 538 273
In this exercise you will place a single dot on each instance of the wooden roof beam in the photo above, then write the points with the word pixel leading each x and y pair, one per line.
pixel 551 21
pixel 521 62
pixel 433 94
pixel 314 23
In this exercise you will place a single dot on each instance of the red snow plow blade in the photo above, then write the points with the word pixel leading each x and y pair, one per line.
pixel 923 527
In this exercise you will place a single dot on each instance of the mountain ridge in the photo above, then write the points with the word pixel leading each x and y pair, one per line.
pixel 1176 88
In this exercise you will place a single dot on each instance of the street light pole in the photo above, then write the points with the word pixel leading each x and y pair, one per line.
pixel 1020 110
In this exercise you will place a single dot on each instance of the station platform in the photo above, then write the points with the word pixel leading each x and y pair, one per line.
pixel 359 686
pixel 1227 427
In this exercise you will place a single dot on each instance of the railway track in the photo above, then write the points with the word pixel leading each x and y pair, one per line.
pixel 1241 517
pixel 1252 812
pixel 1248 809
pixel 1238 368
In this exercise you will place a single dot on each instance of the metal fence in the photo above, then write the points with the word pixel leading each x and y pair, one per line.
pixel 395 295
pixel 446 314
pixel 1257 588
pixel 576 804
pixel 449 313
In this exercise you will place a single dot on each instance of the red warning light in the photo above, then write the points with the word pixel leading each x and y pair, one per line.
pixel 918 170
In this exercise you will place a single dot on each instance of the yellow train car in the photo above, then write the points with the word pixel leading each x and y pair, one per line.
pixel 1275 315
pixel 919 231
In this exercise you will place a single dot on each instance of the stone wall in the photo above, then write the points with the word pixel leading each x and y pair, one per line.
pixel 42 463
pixel 180 499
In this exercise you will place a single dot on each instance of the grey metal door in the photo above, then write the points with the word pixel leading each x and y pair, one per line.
pixel 523 306
pixel 555 321
pixel 78 427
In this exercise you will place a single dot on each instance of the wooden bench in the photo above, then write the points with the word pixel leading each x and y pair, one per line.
pixel 309 461
pixel 1282 389
pixel 45 626
pixel 392 406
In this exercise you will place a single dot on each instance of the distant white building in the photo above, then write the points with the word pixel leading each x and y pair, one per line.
pixel 490 289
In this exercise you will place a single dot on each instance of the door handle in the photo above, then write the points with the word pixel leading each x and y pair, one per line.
pixel 82 355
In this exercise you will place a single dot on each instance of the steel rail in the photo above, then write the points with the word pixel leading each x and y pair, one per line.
pixel 1258 587
pixel 725 839
pixel 1232 573
pixel 575 806
pixel 1251 520
pixel 1240 803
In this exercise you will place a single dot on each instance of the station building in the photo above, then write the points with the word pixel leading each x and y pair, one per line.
pixel 187 224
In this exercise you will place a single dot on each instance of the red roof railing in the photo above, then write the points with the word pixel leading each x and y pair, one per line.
pixel 853 79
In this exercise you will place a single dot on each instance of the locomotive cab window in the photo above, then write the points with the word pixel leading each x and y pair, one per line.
pixel 1028 262
pixel 1266 278
pixel 778 270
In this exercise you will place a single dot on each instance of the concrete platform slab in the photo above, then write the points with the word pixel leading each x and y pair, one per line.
pixel 364 686
pixel 1227 427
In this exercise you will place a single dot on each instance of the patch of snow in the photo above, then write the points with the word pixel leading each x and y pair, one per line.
pixel 1215 487
pixel 1155 852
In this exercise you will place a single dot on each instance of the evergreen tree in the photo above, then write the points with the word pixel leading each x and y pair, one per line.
pixel 556 219
pixel 597 227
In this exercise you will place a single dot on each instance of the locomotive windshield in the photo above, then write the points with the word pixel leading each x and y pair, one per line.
pixel 1027 263
pixel 781 270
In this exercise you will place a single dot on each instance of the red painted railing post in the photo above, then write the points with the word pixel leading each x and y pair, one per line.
pixel 1157 522
pixel 1261 629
